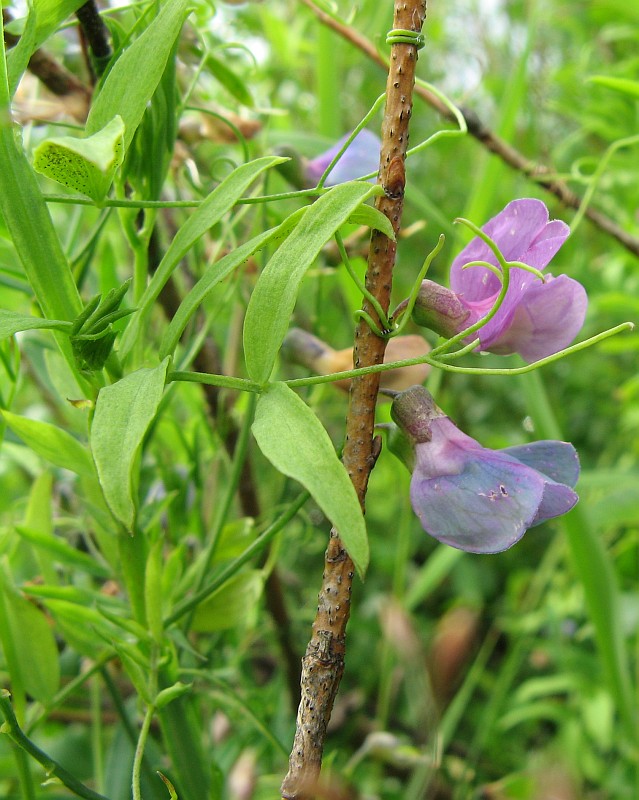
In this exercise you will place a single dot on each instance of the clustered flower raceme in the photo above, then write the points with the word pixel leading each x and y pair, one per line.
pixel 535 318
pixel 465 495
pixel 473 498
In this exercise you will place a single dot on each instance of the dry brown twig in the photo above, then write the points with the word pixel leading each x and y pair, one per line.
pixel 323 664
pixel 538 173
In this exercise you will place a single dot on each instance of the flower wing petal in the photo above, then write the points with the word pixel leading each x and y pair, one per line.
pixel 549 317
pixel 485 508
pixel 557 460
pixel 557 500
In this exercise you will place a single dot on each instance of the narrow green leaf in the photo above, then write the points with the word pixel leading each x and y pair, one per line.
pixel 216 272
pixel 137 674
pixel 231 604
pixel 12 322
pixel 623 85
pixel 32 643
pixel 273 299
pixel 295 442
pixel 30 227
pixel 123 413
pixel 373 219
pixel 171 693
pixel 221 200
pixel 86 165
pixel 233 84
pixel 50 14
pixel 18 57
pixel 52 443
pixel 38 516
pixel 81 626
pixel 134 77
pixel 63 552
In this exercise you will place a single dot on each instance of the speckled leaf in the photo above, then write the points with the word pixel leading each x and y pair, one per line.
pixel 86 165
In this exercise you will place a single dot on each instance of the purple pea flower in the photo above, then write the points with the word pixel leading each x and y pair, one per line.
pixel 473 498
pixel 535 319
pixel 359 158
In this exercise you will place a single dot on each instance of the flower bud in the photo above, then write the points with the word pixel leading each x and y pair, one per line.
pixel 414 410
pixel 440 309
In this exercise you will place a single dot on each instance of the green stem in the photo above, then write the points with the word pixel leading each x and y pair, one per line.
pixel 381 314
pixel 374 108
pixel 139 753
pixel 52 768
pixel 241 384
pixel 434 362
pixel 406 308
pixel 259 544
pixel 96 732
pixel 232 483
pixel 80 200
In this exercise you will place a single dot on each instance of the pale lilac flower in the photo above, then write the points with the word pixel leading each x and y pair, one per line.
pixel 535 319
pixel 359 158
pixel 473 498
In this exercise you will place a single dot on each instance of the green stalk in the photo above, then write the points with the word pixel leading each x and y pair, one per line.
pixel 52 768
pixel 259 544
pixel 233 481
pixel 27 789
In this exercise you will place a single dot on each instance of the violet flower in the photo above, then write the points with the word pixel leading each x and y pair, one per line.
pixel 535 319
pixel 473 498
pixel 359 158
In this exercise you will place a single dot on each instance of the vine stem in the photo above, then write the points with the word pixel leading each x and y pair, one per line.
pixel 323 663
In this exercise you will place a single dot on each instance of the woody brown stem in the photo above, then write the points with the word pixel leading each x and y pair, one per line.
pixel 537 172
pixel 323 664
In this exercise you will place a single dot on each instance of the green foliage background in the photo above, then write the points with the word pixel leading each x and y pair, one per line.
pixel 506 676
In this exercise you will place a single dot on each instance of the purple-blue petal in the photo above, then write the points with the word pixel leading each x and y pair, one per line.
pixel 557 460
pixel 557 500
pixel 473 498
pixel 485 508
pixel 360 158
pixel 522 232
pixel 540 320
